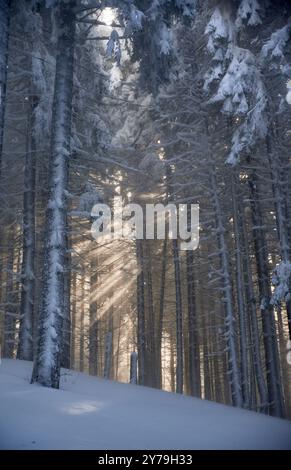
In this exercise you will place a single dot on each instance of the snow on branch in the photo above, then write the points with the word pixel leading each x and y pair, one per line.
pixel 281 279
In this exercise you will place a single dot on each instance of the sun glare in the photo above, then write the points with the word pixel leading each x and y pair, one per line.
pixel 107 16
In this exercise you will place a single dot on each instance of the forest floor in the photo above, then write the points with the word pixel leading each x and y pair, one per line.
pixel 91 413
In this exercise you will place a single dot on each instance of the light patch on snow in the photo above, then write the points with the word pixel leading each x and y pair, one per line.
pixel 80 408
pixel 91 413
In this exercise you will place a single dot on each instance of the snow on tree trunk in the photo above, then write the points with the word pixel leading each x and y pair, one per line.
pixel 240 297
pixel 282 282
pixel 82 323
pixel 47 364
pixel 25 346
pixel 133 368
pixel 73 320
pixel 179 320
pixel 233 370
pixel 4 37
pixel 10 298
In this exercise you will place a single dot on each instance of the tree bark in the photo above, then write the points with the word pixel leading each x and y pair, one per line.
pixel 141 334
pixel 179 320
pixel 4 39
pixel 233 370
pixel 275 398
pixel 47 364
pixel 194 355
pixel 10 298
pixel 93 326
pixel 25 345
pixel 244 365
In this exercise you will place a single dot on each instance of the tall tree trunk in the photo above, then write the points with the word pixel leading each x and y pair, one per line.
pixel 25 345
pixel 66 341
pixel 141 333
pixel 233 370
pixel 206 362
pixel 281 212
pixel 244 366
pixel 93 320
pixel 151 330
pixel 159 335
pixel 4 39
pixel 108 348
pixel 275 399
pixel 194 355
pixel 82 324
pixel 47 364
pixel 73 316
pixel 133 368
pixel 253 320
pixel 179 319
pixel 10 298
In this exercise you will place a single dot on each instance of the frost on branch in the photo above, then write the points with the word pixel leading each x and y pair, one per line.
pixel 248 12
pixel 113 49
pixel 92 195
pixel 219 30
pixel 281 279
pixel 166 40
pixel 220 34
pixel 241 93
pixel 275 46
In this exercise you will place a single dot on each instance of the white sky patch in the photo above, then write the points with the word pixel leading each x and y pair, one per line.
pixel 107 16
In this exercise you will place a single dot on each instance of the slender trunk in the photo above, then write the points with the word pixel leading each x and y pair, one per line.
pixel 233 370
pixel 179 320
pixel 253 320
pixel 159 335
pixel 172 362
pixel 206 361
pixel 151 337
pixel 281 215
pixel 133 368
pixel 4 39
pixel 10 299
pixel 82 321
pixel 108 350
pixel 93 325
pixel 141 335
pixel 25 346
pixel 74 314
pixel 66 341
pixel 240 295
pixel 194 355
pixel 47 364
pixel 285 367
pixel 118 348
pixel 275 399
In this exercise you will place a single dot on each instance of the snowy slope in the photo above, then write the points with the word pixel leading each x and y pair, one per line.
pixel 90 413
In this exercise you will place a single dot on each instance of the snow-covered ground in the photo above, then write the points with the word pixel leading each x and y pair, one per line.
pixel 90 413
